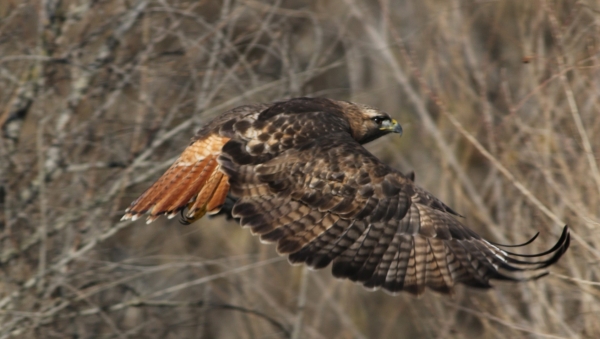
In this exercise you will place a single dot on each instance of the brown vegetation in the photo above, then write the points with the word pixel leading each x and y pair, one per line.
pixel 500 104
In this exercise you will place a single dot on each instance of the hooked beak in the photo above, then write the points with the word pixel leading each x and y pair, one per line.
pixel 391 126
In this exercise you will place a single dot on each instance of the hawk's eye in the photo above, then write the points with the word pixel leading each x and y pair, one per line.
pixel 379 120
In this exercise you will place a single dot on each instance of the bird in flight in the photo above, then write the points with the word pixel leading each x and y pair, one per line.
pixel 295 172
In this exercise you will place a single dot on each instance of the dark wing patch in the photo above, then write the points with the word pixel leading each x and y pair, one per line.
pixel 331 201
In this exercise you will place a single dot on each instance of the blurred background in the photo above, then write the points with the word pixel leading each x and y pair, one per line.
pixel 500 104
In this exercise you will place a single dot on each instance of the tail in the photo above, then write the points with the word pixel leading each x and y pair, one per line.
pixel 194 181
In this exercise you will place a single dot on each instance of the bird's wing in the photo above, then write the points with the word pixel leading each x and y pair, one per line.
pixel 331 201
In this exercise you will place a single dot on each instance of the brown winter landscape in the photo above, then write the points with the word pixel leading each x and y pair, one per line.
pixel 500 106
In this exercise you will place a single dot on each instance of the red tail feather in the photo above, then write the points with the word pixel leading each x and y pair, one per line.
pixel 194 180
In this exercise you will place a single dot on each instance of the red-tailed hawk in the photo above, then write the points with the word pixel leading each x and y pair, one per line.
pixel 303 180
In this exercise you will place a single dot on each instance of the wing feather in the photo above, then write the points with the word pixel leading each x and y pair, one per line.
pixel 331 202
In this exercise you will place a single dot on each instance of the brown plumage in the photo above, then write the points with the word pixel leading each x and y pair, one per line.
pixel 302 180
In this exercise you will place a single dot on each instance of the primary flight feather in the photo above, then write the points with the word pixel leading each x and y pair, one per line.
pixel 300 178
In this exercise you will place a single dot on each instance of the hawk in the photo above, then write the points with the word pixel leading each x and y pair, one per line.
pixel 299 177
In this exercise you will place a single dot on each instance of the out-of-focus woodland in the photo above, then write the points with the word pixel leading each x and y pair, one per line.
pixel 499 100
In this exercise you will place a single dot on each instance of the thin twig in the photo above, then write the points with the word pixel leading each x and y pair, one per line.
pixel 301 305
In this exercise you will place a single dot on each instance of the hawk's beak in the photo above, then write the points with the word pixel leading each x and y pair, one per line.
pixel 391 126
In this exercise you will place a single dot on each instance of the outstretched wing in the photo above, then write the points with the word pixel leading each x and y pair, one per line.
pixel 330 200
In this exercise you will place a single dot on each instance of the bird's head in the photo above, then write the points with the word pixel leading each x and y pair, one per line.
pixel 369 123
